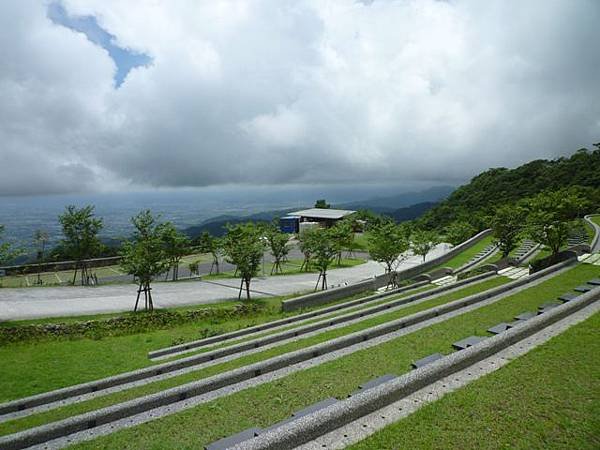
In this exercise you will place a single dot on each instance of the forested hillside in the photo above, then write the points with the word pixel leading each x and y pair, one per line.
pixel 495 187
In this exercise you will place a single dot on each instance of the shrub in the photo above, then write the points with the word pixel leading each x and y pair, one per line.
pixel 126 324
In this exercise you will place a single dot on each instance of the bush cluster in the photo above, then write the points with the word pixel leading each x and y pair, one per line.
pixel 123 325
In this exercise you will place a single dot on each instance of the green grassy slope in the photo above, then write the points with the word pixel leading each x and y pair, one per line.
pixel 548 398
pixel 266 404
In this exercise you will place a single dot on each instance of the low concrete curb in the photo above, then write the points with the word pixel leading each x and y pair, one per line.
pixel 109 414
pixel 270 325
pixel 319 298
pixel 149 372
pixel 527 255
pixel 310 427
pixel 467 266
pixel 595 245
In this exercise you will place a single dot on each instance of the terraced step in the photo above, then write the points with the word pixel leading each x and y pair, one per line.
pixel 212 357
pixel 352 339
pixel 100 399
pixel 289 435
pixel 192 345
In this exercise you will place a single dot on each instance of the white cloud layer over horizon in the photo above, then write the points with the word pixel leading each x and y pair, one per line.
pixel 293 91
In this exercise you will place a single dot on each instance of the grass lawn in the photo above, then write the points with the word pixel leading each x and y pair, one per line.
pixel 291 267
pixel 590 231
pixel 361 240
pixel 22 370
pixel 65 276
pixel 464 257
pixel 266 404
pixel 548 398
pixel 33 367
pixel 307 321
pixel 596 219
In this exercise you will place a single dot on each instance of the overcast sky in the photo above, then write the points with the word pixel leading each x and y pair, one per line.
pixel 101 95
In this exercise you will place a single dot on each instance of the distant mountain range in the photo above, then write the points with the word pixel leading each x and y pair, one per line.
pixel 401 207
pixel 408 199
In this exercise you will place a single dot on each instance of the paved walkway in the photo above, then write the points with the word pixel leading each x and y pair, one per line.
pixel 29 303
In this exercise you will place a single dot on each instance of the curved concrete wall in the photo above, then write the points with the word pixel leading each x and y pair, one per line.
pixel 322 297
pixel 108 414
pixel 595 245
pixel 312 426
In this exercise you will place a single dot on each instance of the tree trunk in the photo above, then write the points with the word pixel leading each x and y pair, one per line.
pixel 150 302
pixel 138 297
pixel 241 289
pixel 248 288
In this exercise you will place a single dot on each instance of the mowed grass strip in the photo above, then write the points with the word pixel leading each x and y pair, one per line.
pixel 117 397
pixel 33 367
pixel 548 398
pixel 464 257
pixel 268 403
pixel 290 267
pixel 331 315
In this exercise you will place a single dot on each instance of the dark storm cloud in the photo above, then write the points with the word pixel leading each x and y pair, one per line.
pixel 283 92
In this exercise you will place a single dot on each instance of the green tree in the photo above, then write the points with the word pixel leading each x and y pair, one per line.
pixel 507 225
pixel 387 242
pixel 208 243
pixel 459 231
pixel 423 241
pixel 177 245
pixel 194 268
pixel 278 245
pixel 548 221
pixel 40 239
pixel 145 256
pixel 306 246
pixel 80 229
pixel 324 251
pixel 7 250
pixel 244 247
pixel 367 219
pixel 342 237
pixel 322 204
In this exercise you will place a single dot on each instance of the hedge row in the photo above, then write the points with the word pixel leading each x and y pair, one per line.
pixel 126 324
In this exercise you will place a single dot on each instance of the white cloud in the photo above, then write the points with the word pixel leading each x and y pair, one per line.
pixel 274 91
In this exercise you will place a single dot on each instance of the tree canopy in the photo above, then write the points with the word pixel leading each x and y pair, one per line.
pixel 7 250
pixel 244 247
pixel 549 220
pixel 145 256
pixel 177 245
pixel 387 242
pixel 479 198
pixel 507 225
pixel 80 228
pixel 423 241
pixel 278 245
